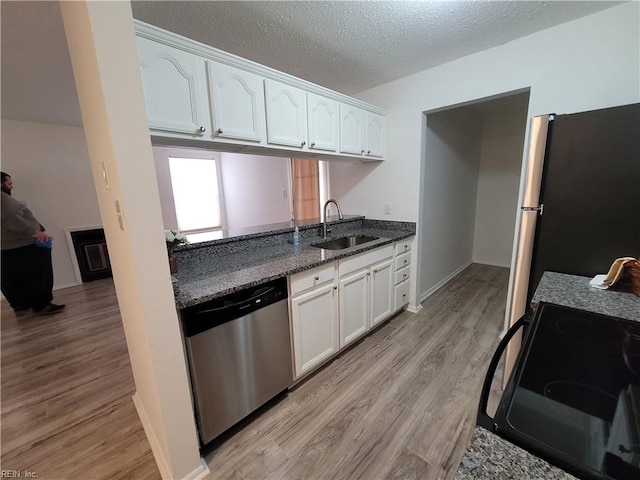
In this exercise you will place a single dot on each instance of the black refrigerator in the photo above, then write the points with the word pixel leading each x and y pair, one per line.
pixel 580 208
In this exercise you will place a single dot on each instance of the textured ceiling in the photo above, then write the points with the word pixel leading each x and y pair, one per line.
pixel 346 46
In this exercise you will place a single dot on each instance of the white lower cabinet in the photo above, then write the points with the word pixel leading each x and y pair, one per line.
pixel 402 273
pixel 333 305
pixel 381 291
pixel 365 287
pixel 354 306
pixel 314 315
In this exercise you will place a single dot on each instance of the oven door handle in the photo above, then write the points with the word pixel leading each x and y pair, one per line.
pixel 484 420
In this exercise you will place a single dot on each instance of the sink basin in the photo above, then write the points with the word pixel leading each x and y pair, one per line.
pixel 344 242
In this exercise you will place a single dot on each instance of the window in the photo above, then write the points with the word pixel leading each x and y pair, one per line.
pixel 196 193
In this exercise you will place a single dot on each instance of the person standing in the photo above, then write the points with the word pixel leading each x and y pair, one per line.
pixel 26 270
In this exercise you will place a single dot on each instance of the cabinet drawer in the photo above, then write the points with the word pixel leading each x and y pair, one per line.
pixel 303 281
pixel 402 274
pixel 401 295
pixel 403 260
pixel 403 246
pixel 364 260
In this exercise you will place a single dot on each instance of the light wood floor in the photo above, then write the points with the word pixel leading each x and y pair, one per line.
pixel 401 404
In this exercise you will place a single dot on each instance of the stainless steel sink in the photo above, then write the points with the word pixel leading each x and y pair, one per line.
pixel 344 242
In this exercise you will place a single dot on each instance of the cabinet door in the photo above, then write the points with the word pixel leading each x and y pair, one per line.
pixel 375 132
pixel 354 306
pixel 174 86
pixel 382 276
pixel 315 327
pixel 351 129
pixel 401 295
pixel 286 115
pixel 322 115
pixel 238 104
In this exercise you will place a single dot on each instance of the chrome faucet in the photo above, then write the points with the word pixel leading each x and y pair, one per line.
pixel 324 223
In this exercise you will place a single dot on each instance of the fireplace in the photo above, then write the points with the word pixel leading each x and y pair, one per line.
pixel 90 247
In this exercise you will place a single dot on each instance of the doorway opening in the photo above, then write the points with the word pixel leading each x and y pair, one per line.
pixel 470 182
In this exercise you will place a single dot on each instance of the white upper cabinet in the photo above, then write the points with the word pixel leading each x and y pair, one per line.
pixel 322 114
pixel 375 133
pixel 352 123
pixel 175 90
pixel 213 99
pixel 286 115
pixel 237 98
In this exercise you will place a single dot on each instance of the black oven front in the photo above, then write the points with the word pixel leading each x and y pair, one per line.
pixel 574 395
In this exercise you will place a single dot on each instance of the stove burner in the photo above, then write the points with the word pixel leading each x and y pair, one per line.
pixel 593 333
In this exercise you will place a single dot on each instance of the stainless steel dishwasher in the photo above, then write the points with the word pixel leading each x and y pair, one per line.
pixel 239 352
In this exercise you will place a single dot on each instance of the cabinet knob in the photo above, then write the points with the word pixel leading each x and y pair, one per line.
pixel 313 144
pixel 202 129
pixel 303 144
pixel 368 152
pixel 404 295
pixel 335 288
pixel 375 271
pixel 220 131
pixel 404 275
pixel 405 262
pixel 316 278
pixel 361 151
pixel 368 274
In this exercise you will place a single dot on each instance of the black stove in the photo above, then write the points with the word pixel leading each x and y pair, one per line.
pixel 574 395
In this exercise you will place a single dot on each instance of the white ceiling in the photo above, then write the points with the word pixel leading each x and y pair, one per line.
pixel 347 46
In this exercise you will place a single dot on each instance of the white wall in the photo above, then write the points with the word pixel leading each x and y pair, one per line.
pixel 450 193
pixel 568 69
pixel 50 168
pixel 503 135
pixel 253 189
pixel 102 46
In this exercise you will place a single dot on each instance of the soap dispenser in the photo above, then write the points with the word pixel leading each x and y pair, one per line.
pixel 296 236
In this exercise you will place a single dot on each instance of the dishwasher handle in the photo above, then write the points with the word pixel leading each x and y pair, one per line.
pixel 205 316
pixel 238 305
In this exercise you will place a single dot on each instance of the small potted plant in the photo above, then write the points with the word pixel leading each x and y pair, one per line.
pixel 173 238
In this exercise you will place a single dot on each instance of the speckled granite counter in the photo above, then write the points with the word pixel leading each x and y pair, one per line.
pixel 574 291
pixel 214 269
pixel 490 457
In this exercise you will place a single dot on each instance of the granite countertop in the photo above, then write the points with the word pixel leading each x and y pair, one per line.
pixel 491 457
pixel 205 274
pixel 574 291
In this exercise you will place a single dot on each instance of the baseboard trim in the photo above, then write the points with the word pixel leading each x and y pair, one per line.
pixel 158 454
pixel 414 308
pixel 163 466
pixel 65 285
pixel 443 282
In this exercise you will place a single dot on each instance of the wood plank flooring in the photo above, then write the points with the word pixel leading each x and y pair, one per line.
pixel 401 404
pixel 66 390
pixel 398 405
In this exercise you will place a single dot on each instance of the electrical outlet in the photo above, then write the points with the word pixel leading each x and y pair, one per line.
pixel 387 209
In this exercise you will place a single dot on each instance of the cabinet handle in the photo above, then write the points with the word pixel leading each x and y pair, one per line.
pixel 316 278
pixel 303 144
pixel 202 129
pixel 220 131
